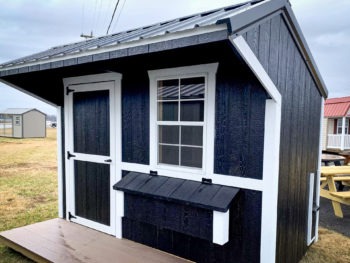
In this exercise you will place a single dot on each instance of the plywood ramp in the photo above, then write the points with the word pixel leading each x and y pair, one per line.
pixel 58 240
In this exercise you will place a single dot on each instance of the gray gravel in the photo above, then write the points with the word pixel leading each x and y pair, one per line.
pixel 330 221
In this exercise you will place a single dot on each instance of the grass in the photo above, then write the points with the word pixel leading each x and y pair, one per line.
pixel 28 194
pixel 28 185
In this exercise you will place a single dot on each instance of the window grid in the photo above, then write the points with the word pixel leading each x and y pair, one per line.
pixel 179 122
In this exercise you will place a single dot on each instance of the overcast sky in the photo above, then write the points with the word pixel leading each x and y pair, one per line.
pixel 28 26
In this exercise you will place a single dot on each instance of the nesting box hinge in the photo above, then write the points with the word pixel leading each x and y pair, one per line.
pixel 153 173
pixel 206 181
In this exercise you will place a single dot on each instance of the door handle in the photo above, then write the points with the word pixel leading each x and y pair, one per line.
pixel 108 161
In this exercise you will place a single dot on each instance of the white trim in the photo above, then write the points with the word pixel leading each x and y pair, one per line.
pixel 252 61
pixel 111 82
pixel 309 239
pixel 59 162
pixel 271 151
pixel 129 44
pixel 342 133
pixel 318 181
pixel 209 72
pixel 270 179
pixel 234 181
pixel 221 222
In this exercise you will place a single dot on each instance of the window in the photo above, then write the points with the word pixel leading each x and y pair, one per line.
pixel 180 121
pixel 17 121
pixel 340 124
pixel 182 118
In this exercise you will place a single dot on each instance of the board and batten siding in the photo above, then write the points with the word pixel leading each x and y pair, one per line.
pixel 34 124
pixel 274 46
pixel 239 141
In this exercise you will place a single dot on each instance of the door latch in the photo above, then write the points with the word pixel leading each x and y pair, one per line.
pixel 108 161
pixel 69 155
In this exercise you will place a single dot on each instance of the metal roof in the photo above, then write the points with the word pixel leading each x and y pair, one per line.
pixel 17 110
pixel 180 24
pixel 337 107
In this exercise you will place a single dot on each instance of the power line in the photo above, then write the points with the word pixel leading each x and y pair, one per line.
pixel 120 13
pixel 115 8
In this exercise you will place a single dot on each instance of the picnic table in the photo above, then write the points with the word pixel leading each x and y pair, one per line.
pixel 330 175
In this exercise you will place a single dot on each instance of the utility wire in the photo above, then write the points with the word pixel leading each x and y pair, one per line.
pixel 115 8
pixel 120 13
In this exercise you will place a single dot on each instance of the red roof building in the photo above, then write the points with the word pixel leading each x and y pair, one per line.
pixel 336 132
pixel 337 107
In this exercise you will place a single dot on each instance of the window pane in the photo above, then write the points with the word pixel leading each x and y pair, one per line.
pixel 191 157
pixel 192 88
pixel 169 134
pixel 167 111
pixel 192 110
pixel 192 135
pixel 168 89
pixel 168 154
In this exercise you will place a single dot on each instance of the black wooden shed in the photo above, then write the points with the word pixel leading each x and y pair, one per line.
pixel 198 136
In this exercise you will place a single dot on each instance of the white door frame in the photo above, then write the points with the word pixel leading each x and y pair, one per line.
pixel 112 82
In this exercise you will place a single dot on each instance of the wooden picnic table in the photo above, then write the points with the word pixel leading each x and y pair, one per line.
pixel 330 175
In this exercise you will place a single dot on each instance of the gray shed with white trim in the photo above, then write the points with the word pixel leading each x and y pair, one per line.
pixel 22 123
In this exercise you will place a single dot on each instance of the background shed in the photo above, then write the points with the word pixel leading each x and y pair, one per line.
pixel 22 123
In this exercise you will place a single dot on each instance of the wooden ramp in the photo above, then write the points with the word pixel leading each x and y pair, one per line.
pixel 58 240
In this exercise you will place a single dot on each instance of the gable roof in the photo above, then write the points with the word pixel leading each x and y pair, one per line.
pixel 18 111
pixel 337 107
pixel 162 28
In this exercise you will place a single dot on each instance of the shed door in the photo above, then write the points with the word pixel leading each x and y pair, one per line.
pixel 90 155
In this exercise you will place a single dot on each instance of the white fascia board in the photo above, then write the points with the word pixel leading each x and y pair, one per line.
pixel 135 43
pixel 252 61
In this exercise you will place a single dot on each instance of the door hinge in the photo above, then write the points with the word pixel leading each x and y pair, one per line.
pixel 108 161
pixel 69 155
pixel 68 90
pixel 70 216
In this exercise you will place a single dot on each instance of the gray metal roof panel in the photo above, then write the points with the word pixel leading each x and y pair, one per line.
pixel 175 25
pixel 16 110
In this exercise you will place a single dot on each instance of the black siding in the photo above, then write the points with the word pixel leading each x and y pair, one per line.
pixel 240 118
pixel 92 191
pixel 274 46
pixel 135 117
pixel 244 232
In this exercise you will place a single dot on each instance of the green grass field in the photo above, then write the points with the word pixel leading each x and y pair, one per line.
pixel 28 194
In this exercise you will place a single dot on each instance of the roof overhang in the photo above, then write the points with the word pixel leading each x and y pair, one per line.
pixel 222 30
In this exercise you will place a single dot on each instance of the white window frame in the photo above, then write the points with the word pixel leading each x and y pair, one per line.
pixel 208 71
pixel 340 126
